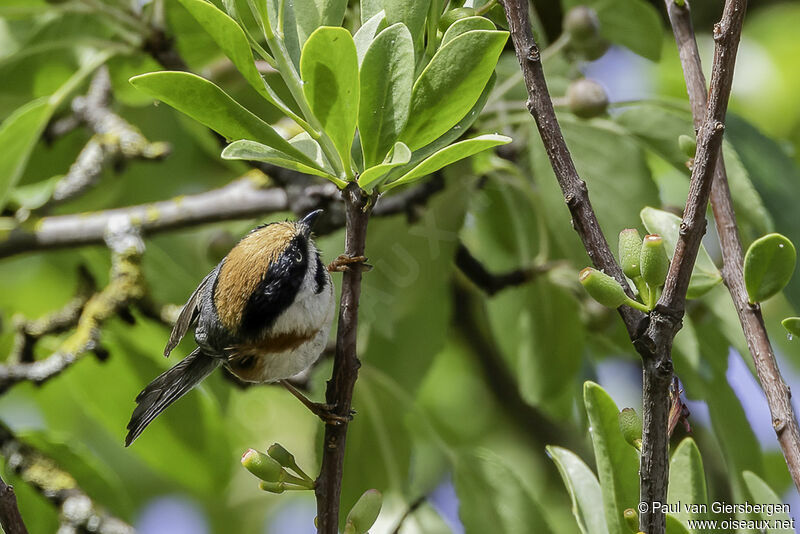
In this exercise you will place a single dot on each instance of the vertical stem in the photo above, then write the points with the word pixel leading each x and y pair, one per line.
pixel 358 206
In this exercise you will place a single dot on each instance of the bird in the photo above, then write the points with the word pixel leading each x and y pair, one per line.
pixel 264 312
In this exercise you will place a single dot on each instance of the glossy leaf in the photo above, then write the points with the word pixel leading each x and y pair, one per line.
pixel 329 68
pixel 491 496
pixel 705 274
pixel 464 25
pixel 211 106
pixel 584 490
pixel 400 156
pixel 232 40
pixel 687 481
pixel 451 84
pixel 448 155
pixel 18 135
pixel 617 462
pixel 768 266
pixel 761 493
pixel 792 325
pixel 387 75
pixel 247 150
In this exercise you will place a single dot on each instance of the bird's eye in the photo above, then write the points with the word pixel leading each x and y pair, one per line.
pixel 298 256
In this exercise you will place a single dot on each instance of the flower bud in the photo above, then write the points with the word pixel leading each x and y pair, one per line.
pixel 592 49
pixel 262 466
pixel 630 248
pixel 365 511
pixel 688 145
pixel 602 288
pixel 453 15
pixel 653 261
pixel 631 427
pixel 281 455
pixel 586 98
pixel 581 23
pixel 272 487
pixel 631 519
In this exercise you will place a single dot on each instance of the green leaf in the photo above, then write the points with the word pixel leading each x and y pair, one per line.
pixel 211 106
pixel 451 84
pixel 705 274
pixel 792 325
pixel 387 75
pixel 412 14
pixel 18 135
pixel 763 494
pixel 232 40
pixel 464 25
pixel 584 490
pixel 20 131
pixel 311 14
pixel 448 155
pixel 768 266
pixel 367 33
pixel 617 462
pixel 674 526
pixel 687 481
pixel 329 69
pixel 492 498
pixel 400 156
pixel 247 150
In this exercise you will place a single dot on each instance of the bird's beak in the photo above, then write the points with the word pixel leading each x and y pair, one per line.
pixel 308 221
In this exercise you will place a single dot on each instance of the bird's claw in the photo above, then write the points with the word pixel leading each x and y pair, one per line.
pixel 326 412
pixel 346 262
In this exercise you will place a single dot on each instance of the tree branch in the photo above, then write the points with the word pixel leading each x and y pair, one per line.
pixel 126 285
pixel 492 283
pixel 345 364
pixel 584 220
pixel 10 518
pixel 77 509
pixel 775 389
pixel 655 344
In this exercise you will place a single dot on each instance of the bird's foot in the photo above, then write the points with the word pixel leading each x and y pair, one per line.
pixel 345 262
pixel 327 412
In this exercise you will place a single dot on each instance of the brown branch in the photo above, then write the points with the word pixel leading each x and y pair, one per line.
pixel 345 364
pixel 655 344
pixel 77 510
pixel 10 518
pixel 775 389
pixel 491 283
pixel 584 220
pixel 126 286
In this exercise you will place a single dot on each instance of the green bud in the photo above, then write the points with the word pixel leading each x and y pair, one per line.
pixel 365 511
pixel 602 288
pixel 653 261
pixel 453 15
pixel 591 49
pixel 581 23
pixel 768 266
pixel 262 466
pixel 630 248
pixel 272 487
pixel 631 519
pixel 631 427
pixel 586 98
pixel 281 455
pixel 792 325
pixel 688 145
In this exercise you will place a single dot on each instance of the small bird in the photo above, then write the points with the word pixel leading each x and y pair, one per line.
pixel 264 312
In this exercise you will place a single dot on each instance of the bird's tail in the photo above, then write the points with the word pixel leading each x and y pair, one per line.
pixel 167 388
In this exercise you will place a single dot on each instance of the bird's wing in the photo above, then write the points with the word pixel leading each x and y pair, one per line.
pixel 188 315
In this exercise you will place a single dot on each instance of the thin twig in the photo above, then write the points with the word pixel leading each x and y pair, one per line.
pixel 10 518
pixel 415 504
pixel 492 283
pixel 244 198
pixel 126 286
pixel 77 510
pixel 584 220
pixel 775 389
pixel 345 364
